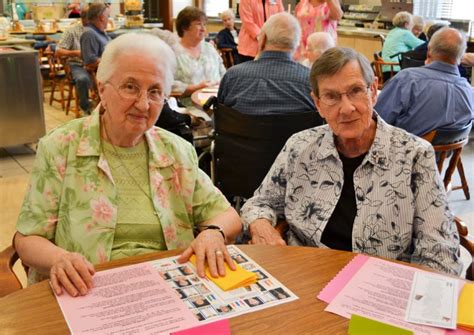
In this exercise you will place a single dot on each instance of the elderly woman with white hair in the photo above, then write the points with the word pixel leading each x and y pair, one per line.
pixel 228 38
pixel 399 39
pixel 112 185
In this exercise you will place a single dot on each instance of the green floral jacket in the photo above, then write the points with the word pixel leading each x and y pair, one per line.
pixel 72 199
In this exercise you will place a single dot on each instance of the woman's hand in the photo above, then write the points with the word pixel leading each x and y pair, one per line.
pixel 262 232
pixel 73 272
pixel 209 246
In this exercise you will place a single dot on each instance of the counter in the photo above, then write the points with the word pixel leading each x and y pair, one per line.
pixel 21 101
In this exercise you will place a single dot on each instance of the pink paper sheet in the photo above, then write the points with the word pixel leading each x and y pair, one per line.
pixel 131 299
pixel 342 278
pixel 221 327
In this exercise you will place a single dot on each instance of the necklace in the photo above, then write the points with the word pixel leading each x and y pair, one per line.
pixel 124 166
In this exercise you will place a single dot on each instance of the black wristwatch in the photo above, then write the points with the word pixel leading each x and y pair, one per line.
pixel 214 227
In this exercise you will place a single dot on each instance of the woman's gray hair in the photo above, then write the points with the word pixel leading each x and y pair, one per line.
pixel 228 12
pixel 133 44
pixel 401 18
pixel 448 43
pixel 283 31
pixel 333 60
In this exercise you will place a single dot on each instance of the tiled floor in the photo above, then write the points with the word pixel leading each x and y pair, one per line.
pixel 16 163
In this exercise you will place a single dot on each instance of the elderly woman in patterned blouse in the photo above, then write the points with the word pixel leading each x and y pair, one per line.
pixel 198 63
pixel 357 183
pixel 112 185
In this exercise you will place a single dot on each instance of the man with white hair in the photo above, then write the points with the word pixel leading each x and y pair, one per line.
pixel 433 96
pixel 274 83
pixel 316 44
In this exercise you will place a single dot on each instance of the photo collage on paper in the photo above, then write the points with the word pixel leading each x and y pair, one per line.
pixel 209 303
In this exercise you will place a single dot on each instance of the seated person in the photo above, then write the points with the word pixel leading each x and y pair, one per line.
pixel 198 63
pixel 316 44
pixel 274 83
pixel 111 185
pixel 399 39
pixel 417 27
pixel 229 36
pixel 357 183
pixel 433 96
pixel 468 59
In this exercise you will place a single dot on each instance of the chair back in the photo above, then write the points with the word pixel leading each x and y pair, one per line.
pixel 227 57
pixel 8 278
pixel 409 59
pixel 245 146
pixel 377 66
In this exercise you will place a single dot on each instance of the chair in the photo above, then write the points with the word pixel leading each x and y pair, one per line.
pixel 378 65
pixel 227 57
pixel 245 146
pixel 8 278
pixel 451 142
pixel 57 76
pixel 409 59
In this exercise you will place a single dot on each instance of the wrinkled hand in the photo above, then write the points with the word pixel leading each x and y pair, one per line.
pixel 209 247
pixel 73 272
pixel 262 232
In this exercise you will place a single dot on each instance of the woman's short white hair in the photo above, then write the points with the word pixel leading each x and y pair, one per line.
pixel 227 13
pixel 401 18
pixel 282 30
pixel 137 43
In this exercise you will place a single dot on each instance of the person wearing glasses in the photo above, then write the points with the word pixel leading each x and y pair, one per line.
pixel 111 185
pixel 198 63
pixel 357 183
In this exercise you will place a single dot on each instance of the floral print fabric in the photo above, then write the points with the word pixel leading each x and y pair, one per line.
pixel 402 210
pixel 72 199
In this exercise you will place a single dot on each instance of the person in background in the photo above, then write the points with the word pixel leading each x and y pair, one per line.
pixel 111 185
pixel 433 96
pixel 417 28
pixel 316 44
pixel 399 39
pixel 70 46
pixel 314 16
pixel 357 183
pixel 229 36
pixel 274 83
pixel 253 14
pixel 94 38
pixel 74 9
pixel 198 63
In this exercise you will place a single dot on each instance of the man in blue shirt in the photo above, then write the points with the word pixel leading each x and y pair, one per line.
pixel 94 38
pixel 274 83
pixel 433 96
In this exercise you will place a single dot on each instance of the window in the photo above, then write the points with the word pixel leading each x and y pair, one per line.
pixel 178 5
pixel 458 9
pixel 215 7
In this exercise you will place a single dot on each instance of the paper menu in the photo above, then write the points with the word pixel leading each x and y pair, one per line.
pixel 209 303
pixel 131 298
pixel 433 300
pixel 233 279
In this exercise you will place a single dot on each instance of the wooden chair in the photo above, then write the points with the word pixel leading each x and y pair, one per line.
pixel 377 66
pixel 8 279
pixel 57 76
pixel 451 142
pixel 227 57
pixel 466 239
pixel 72 93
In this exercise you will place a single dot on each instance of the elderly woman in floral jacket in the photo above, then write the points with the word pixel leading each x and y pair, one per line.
pixel 357 183
pixel 112 185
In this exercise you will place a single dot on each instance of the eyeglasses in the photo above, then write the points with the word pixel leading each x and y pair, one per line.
pixel 199 24
pixel 131 91
pixel 356 93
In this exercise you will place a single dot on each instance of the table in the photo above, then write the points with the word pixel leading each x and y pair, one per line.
pixel 16 41
pixel 200 97
pixel 303 270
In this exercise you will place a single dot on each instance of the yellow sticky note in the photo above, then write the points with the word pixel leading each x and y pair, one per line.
pixel 466 308
pixel 233 279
